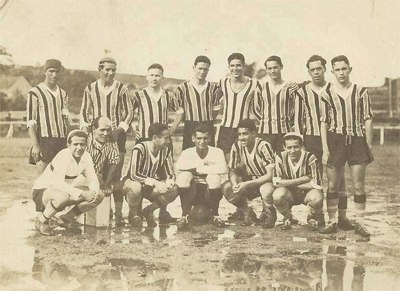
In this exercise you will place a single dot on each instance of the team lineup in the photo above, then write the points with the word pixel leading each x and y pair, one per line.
pixel 275 141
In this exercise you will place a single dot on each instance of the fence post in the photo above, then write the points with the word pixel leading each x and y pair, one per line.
pixel 10 131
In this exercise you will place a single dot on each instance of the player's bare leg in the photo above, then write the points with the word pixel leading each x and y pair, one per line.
pixel 343 222
pixel 360 198
pixel 132 190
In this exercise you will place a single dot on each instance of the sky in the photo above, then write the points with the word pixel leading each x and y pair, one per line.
pixel 172 33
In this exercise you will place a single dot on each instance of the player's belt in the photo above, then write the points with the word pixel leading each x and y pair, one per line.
pixel 66 177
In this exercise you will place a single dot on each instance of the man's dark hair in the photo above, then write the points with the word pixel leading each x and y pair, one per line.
pixel 78 133
pixel 202 128
pixel 341 58
pixel 316 58
pixel 156 66
pixel 274 59
pixel 106 60
pixel 202 59
pixel 156 129
pixel 236 56
pixel 247 123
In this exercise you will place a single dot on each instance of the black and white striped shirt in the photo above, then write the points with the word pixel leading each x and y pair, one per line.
pixel 241 105
pixel 144 165
pixel 102 154
pixel 151 111
pixel 347 114
pixel 255 162
pixel 198 106
pixel 44 109
pixel 277 109
pixel 115 104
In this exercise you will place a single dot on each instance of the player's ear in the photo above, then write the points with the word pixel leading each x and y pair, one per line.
pixel 193 138
pixel 350 69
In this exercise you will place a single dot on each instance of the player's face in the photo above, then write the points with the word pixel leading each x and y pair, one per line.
pixel 164 139
pixel 52 75
pixel 154 78
pixel 77 146
pixel 201 140
pixel 236 67
pixel 317 72
pixel 201 71
pixel 107 73
pixel 102 133
pixel 342 71
pixel 273 70
pixel 245 136
pixel 294 149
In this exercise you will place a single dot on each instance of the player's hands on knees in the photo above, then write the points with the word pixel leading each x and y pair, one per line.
pixel 326 157
pixel 36 153
pixel 243 186
pixel 88 195
pixel 161 187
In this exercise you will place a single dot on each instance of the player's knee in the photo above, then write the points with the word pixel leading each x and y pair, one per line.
pixel 266 190
pixel 184 179
pixel 279 196
pixel 213 181
pixel 132 190
pixel 60 200
pixel 227 190
pixel 315 198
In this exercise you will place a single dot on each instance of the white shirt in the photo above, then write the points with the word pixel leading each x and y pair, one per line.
pixel 213 163
pixel 64 174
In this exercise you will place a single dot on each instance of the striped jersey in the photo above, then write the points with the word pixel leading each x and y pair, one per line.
pixel 347 114
pixel 238 106
pixel 144 164
pixel 102 154
pixel 198 106
pixel 277 109
pixel 255 162
pixel 306 166
pixel 309 107
pixel 44 109
pixel 114 103
pixel 151 111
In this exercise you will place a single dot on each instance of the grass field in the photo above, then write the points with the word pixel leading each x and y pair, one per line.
pixel 206 258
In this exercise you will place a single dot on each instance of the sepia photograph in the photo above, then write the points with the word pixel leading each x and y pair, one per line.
pixel 219 145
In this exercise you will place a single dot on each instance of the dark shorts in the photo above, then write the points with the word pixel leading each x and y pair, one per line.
pixel 226 138
pixel 189 130
pixel 313 145
pixel 253 192
pixel 50 146
pixel 353 150
pixel 275 140
pixel 298 195
pixel 37 196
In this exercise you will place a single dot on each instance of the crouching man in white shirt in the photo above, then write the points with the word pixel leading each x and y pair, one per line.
pixel 61 184
pixel 202 169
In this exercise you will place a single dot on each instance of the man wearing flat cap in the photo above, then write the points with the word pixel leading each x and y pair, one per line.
pixel 109 97
pixel 297 180
pixel 47 116
pixel 69 180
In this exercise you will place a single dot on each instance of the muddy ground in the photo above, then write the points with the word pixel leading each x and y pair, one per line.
pixel 204 258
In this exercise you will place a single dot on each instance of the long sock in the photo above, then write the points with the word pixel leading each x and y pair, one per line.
pixel 48 212
pixel 359 205
pixel 342 203
pixel 75 211
pixel 118 201
pixel 332 202
pixel 214 199
pixel 186 202
pixel 118 208
pixel 284 209
pixel 313 210
pixel 153 206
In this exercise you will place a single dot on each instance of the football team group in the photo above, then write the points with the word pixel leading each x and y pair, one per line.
pixel 275 140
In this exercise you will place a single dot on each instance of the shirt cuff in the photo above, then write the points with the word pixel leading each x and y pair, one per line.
pixel 31 123
pixel 149 181
pixel 65 112
pixel 124 126
pixel 179 111
pixel 315 185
